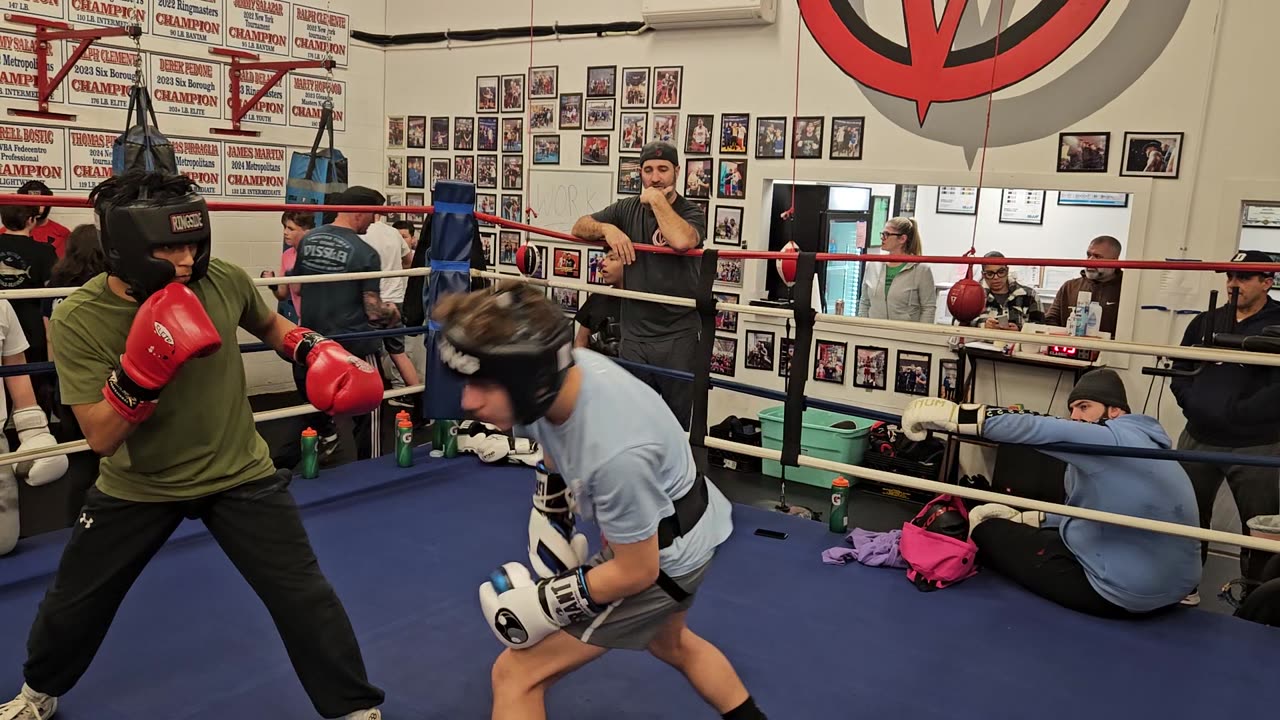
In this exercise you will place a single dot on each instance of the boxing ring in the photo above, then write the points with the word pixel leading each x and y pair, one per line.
pixel 406 549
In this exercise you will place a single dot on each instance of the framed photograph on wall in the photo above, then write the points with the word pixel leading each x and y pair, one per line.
pixel 396 132
pixel 726 320
pixel 732 180
pixel 600 115
pixel 489 244
pixel 595 267
pixel 828 361
pixel 1096 199
pixel 487 203
pixel 806 142
pixel 724 356
pixel 513 135
pixel 787 353
pixel 508 243
pixel 544 81
pixel 956 200
pixel 634 132
pixel 464 133
pixel 416 172
pixel 728 226
pixel 568 263
pixel 948 371
pixel 699 178
pixel 512 93
pixel 542 115
pixel 464 168
pixel 417 133
pixel 699 133
pixel 395 171
pixel 734 128
pixel 397 200
pixel 487 94
pixel 602 81
pixel 635 87
pixel 846 137
pixel 487 134
pixel 666 128
pixel 487 171
pixel 1022 206
pixel 629 180
pixel 1083 152
pixel 729 271
pixel 439 133
pixel 759 350
pixel 571 111
pixel 771 137
pixel 415 200
pixel 667 85
pixel 1154 155
pixel 513 208
pixel 512 172
pixel 566 298
pixel 911 376
pixel 870 367
pixel 595 149
pixel 546 149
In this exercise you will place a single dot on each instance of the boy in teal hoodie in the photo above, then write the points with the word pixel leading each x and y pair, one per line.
pixel 1092 567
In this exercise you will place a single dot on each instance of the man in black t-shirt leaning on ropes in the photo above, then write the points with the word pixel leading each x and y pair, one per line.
pixel 654 334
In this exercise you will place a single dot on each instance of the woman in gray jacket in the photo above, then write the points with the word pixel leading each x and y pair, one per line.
pixel 903 291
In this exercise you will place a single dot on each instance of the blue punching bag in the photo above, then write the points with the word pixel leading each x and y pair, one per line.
pixel 453 230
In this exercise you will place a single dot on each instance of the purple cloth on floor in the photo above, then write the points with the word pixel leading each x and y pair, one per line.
pixel 873 549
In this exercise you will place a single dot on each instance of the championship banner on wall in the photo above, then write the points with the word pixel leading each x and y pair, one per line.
pixel 200 160
pixel 109 13
pixel 194 20
pixel 42 8
pixel 182 86
pixel 102 78
pixel 271 109
pixel 90 157
pixel 318 34
pixel 260 26
pixel 18 67
pixel 306 99
pixel 255 170
pixel 32 153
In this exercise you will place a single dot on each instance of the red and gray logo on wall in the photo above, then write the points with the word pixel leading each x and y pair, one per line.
pixel 957 53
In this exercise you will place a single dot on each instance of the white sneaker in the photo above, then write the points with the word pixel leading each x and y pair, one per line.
pixel 29 705
pixel 1192 600
pixel 374 714
pixel 985 512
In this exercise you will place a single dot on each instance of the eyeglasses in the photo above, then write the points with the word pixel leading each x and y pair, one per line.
pixel 995 273
pixel 886 234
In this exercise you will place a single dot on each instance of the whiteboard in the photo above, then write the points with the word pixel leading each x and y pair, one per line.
pixel 560 197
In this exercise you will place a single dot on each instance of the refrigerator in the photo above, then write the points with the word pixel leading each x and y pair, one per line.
pixel 843 232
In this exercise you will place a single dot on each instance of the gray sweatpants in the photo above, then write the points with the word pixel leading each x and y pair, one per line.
pixel 674 354
pixel 1256 491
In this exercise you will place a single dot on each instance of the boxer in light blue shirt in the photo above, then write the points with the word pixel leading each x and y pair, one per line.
pixel 613 454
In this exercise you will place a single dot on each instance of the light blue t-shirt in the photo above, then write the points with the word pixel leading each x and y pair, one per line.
pixel 1138 570
pixel 626 458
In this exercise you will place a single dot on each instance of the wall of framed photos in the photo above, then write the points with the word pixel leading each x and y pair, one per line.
pixel 1077 126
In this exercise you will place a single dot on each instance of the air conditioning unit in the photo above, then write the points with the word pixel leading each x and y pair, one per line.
pixel 686 14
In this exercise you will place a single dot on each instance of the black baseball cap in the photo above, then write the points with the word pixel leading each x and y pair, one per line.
pixel 356 195
pixel 658 150
pixel 1253 256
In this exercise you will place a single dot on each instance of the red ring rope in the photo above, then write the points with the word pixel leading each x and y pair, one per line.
pixel 229 206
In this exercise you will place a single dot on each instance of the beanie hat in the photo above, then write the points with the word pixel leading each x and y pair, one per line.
pixel 1101 386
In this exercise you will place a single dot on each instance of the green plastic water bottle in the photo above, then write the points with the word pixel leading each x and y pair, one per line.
pixel 310 454
pixel 839 517
pixel 404 443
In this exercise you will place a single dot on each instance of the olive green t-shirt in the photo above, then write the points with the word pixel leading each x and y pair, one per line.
pixel 201 438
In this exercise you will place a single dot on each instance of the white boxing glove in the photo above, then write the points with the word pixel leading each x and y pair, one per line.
pixel 554 546
pixel 33 434
pixel 522 613
pixel 925 414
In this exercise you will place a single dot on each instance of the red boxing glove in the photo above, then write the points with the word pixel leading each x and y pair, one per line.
pixel 338 382
pixel 171 327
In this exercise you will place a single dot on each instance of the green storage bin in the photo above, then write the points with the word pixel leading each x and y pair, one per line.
pixel 818 439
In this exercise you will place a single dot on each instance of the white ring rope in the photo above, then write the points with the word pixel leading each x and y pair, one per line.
pixel 1167 528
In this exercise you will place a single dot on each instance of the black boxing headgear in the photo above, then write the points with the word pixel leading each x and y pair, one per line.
pixel 530 364
pixel 129 231
pixel 35 187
